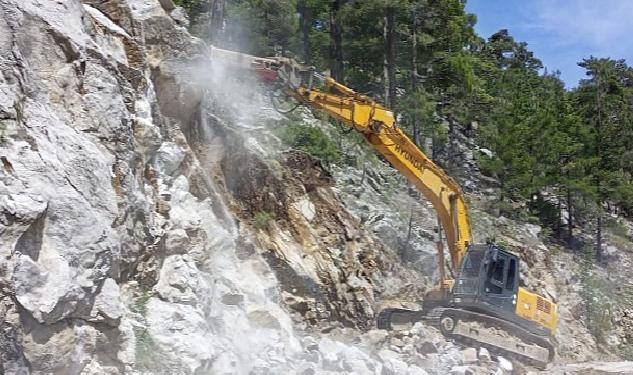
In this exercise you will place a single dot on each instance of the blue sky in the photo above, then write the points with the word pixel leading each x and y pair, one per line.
pixel 562 32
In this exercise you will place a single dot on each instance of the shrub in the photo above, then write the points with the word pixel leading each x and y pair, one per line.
pixel 263 218
pixel 598 306
pixel 617 228
pixel 148 354
pixel 140 302
pixel 312 140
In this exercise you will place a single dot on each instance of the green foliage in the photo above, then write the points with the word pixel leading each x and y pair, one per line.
pixel 625 351
pixel 619 234
pixel 140 302
pixel 263 218
pixel 261 27
pixel 148 353
pixel 604 102
pixel 554 249
pixel 502 244
pixel 617 228
pixel 194 8
pixel 312 140
pixel 598 306
pixel 19 110
pixel 419 118
pixel 3 129
pixel 276 168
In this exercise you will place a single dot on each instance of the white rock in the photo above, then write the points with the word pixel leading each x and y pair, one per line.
pixel 624 367
pixel 484 354
pixel 309 343
pixel 461 370
pixel 94 368
pixel 330 350
pixel 182 333
pixel 611 251
pixel 108 303
pixel 392 365
pixel 486 152
pixel 469 355
pixel 505 365
pixel 177 241
pixel 356 361
pixel 376 336
pixel 179 280
pixel 168 158
pixel 41 285
pixel 306 207
pixel 127 352
pixel 104 21
pixel 415 370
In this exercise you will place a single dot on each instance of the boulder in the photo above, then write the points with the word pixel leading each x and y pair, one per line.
pixel 469 356
pixel 505 365
pixel 306 207
pixel 484 355
pixel 179 280
pixel 108 303
pixel 461 370
pixel 168 5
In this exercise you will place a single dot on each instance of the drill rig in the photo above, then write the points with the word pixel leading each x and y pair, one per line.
pixel 483 305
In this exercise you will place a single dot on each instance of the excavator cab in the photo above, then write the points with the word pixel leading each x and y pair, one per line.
pixel 488 275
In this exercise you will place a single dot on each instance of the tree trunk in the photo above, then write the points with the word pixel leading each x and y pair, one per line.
pixel 414 75
pixel 559 229
pixel 405 250
pixel 336 41
pixel 600 165
pixel 599 237
pixel 216 22
pixel 450 157
pixel 570 224
pixel 305 23
pixel 390 57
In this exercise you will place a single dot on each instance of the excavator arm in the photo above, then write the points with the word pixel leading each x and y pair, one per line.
pixel 378 126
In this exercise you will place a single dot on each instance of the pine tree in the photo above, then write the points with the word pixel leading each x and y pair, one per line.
pixel 604 103
pixel 262 27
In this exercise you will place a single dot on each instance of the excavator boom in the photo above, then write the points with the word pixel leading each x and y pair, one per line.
pixel 378 125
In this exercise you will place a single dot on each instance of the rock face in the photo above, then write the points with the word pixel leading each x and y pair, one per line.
pixel 117 253
pixel 127 207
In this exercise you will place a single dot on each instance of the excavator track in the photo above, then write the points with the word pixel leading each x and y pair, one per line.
pixel 470 328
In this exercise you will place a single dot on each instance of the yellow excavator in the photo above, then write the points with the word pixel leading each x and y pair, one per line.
pixel 483 305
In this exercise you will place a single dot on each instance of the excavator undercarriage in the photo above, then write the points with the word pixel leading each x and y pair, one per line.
pixel 476 330
pixel 481 310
